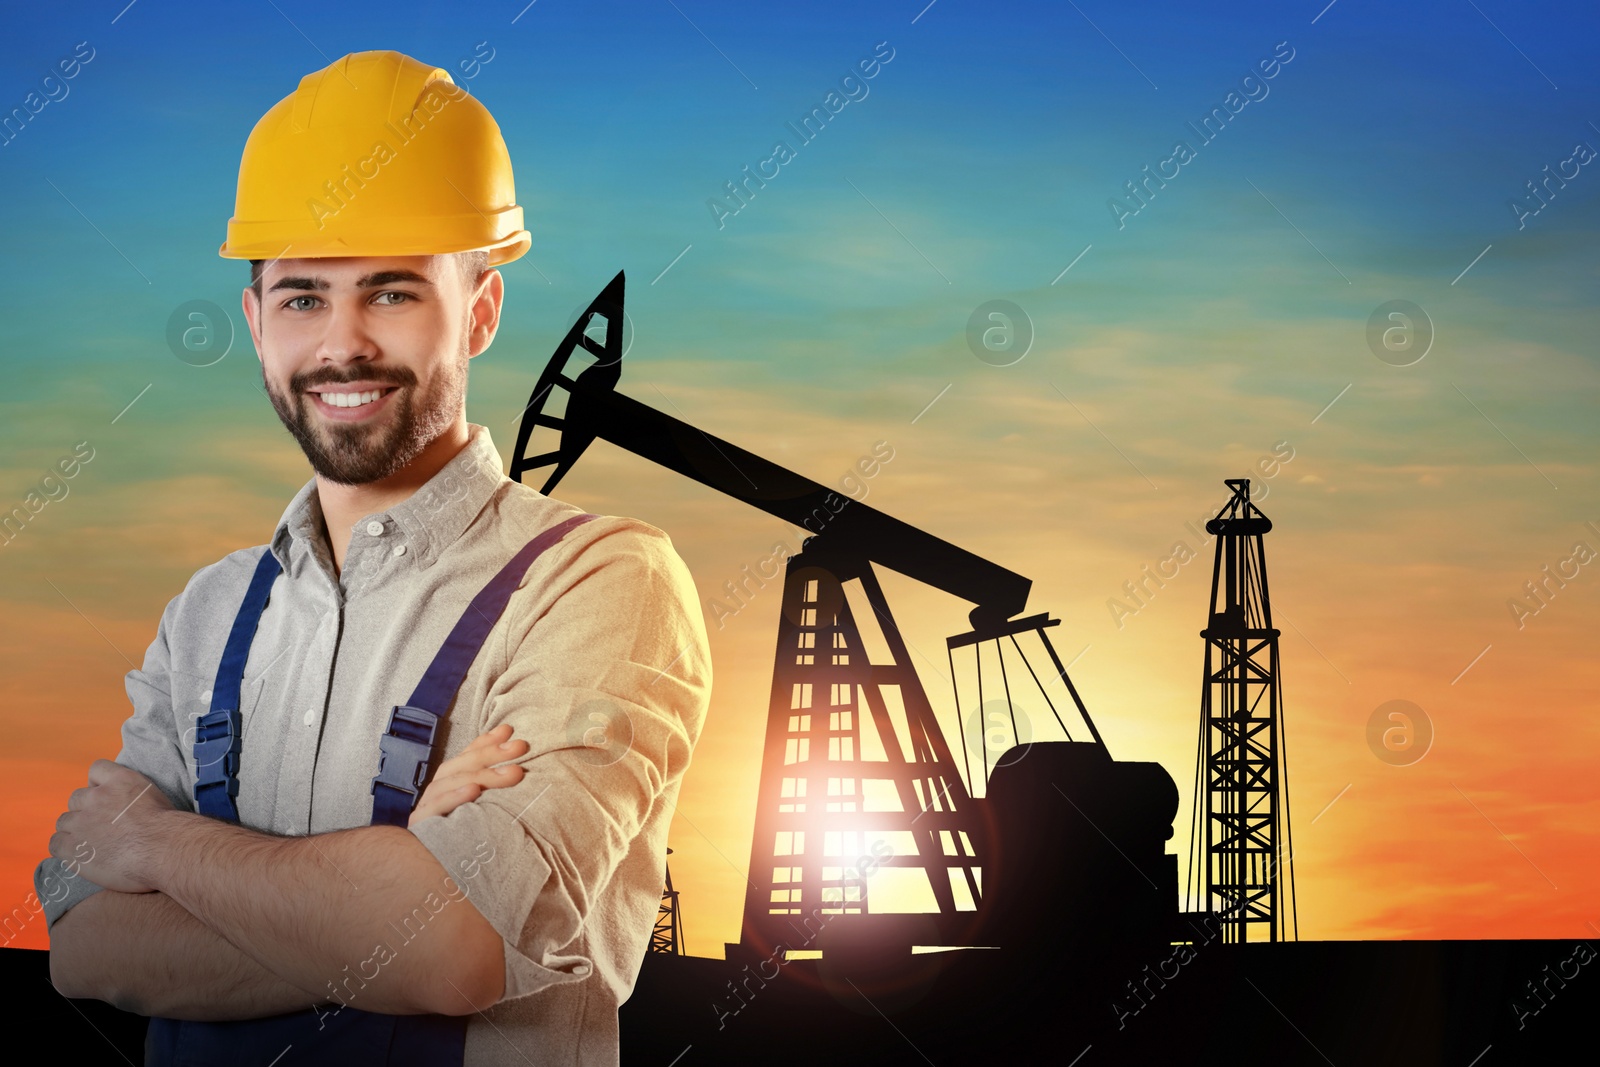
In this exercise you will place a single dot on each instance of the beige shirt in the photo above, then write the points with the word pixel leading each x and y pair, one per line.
pixel 600 662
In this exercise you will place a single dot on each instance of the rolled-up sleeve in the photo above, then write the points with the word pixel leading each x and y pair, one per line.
pixel 607 675
pixel 149 746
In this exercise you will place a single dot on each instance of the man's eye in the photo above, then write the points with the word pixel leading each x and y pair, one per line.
pixel 290 304
pixel 403 296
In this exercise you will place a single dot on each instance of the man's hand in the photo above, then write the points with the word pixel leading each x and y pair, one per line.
pixel 106 833
pixel 110 830
pixel 122 833
pixel 465 777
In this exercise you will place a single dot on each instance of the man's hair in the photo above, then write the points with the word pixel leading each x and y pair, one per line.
pixel 472 263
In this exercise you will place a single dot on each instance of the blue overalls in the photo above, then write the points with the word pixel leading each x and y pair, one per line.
pixel 342 1035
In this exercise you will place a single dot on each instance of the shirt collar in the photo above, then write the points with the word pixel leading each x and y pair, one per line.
pixel 432 519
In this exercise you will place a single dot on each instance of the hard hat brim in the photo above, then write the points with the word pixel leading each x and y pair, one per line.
pixel 239 245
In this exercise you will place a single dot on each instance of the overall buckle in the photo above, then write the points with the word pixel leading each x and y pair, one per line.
pixel 218 742
pixel 405 747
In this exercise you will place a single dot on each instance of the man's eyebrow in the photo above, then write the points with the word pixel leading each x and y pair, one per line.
pixel 389 277
pixel 298 283
pixel 366 281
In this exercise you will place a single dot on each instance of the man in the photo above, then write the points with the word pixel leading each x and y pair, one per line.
pixel 503 915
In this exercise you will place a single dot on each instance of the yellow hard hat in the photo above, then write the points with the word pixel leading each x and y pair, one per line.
pixel 376 154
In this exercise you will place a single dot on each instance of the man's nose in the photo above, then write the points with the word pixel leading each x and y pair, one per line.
pixel 346 338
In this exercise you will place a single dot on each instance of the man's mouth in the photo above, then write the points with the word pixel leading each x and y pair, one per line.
pixel 345 403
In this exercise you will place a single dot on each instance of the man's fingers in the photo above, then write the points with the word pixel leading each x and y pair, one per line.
pixel 64 844
pixel 485 777
pixel 463 778
pixel 479 755
pixel 101 771
pixel 489 738
pixel 446 794
pixel 494 736
pixel 443 802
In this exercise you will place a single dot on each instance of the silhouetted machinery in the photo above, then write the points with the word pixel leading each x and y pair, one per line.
pixel 868 839
pixel 1241 868
pixel 666 937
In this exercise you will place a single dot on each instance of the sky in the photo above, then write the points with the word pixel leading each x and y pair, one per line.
pixel 1231 308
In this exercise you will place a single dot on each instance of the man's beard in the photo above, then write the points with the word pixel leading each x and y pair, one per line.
pixel 357 453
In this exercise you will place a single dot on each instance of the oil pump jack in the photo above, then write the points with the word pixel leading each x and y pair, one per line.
pixel 1064 853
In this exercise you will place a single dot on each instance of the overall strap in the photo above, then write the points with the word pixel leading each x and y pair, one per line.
pixel 407 742
pixel 217 740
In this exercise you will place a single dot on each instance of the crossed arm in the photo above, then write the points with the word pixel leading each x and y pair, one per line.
pixel 201 919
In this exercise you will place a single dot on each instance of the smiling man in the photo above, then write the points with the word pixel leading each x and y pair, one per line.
pixel 345 444
pixel 373 430
pixel 397 783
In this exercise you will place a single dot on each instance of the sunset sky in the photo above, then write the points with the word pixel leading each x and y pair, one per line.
pixel 1173 347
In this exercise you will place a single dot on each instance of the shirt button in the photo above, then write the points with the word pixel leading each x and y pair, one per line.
pixel 399 550
pixel 375 528
pixel 311 716
pixel 206 696
pixel 581 969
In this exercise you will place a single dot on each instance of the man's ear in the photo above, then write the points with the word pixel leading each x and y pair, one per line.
pixel 484 311
pixel 252 316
